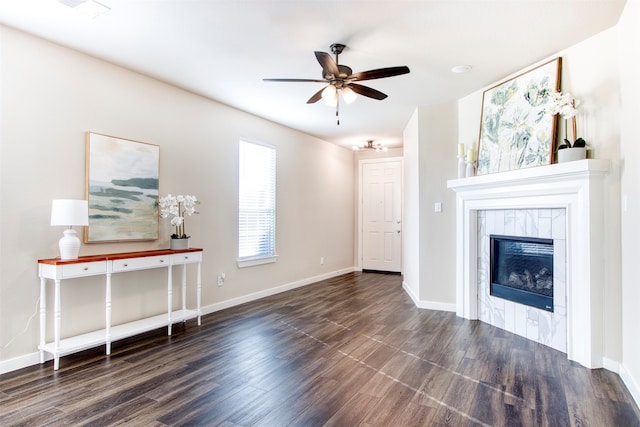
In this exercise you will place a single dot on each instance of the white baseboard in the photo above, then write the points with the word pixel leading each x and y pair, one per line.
pixel 268 292
pixel 628 380
pixel 611 365
pixel 409 292
pixel 22 362
pixel 428 305
pixel 632 384
pixel 34 358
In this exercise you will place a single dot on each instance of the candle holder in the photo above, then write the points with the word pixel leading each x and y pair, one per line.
pixel 462 167
pixel 471 168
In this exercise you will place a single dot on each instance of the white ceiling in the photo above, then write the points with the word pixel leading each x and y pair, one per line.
pixel 222 49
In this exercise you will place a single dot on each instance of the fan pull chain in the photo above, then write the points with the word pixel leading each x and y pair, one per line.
pixel 337 109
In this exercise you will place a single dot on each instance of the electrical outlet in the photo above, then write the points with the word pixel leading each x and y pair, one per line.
pixel 321 260
pixel 220 279
pixel 437 207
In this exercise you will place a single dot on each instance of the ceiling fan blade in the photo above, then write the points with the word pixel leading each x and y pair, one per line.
pixel 329 66
pixel 293 80
pixel 367 91
pixel 380 73
pixel 316 96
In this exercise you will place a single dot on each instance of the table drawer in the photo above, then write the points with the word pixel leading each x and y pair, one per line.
pixel 140 263
pixel 186 257
pixel 83 269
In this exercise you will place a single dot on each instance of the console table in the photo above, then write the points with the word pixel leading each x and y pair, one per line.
pixel 106 265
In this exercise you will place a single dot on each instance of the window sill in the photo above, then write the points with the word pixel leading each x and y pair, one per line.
pixel 250 262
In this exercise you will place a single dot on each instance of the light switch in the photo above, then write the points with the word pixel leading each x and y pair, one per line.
pixel 437 207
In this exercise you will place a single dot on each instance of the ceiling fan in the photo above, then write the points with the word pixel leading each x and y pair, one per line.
pixel 340 78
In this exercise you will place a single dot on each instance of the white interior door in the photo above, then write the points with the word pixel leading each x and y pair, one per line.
pixel 382 216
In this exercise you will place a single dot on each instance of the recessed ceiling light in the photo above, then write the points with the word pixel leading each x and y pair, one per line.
pixel 90 8
pixel 461 69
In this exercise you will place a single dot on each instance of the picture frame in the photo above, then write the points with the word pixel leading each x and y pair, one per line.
pixel 516 131
pixel 121 187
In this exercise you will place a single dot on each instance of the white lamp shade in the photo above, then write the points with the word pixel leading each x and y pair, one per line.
pixel 329 93
pixel 69 212
pixel 348 95
pixel 332 102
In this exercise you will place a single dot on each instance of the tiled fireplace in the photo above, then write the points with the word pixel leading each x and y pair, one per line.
pixel 540 325
pixel 563 202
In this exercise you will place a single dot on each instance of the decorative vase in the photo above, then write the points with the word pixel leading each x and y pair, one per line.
pixel 571 154
pixel 177 244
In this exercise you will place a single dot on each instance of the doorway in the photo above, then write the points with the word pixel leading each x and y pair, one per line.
pixel 380 228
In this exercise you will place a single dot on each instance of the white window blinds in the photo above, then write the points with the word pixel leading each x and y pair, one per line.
pixel 257 202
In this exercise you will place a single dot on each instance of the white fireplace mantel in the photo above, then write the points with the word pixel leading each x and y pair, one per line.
pixel 575 186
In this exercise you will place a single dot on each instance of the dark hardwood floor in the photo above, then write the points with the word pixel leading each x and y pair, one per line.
pixel 349 351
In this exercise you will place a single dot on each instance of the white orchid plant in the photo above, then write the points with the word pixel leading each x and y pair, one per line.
pixel 565 105
pixel 176 207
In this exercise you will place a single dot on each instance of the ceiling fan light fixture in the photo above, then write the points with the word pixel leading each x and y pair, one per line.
pixel 348 95
pixel 329 93
pixel 369 145
pixel 332 102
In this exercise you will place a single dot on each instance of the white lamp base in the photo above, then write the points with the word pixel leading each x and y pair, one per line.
pixel 69 245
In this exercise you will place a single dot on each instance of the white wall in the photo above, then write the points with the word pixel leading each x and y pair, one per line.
pixel 430 140
pixel 438 163
pixel 411 209
pixel 629 38
pixel 50 96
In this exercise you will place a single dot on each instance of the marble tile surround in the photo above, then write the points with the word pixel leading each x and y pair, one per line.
pixel 532 323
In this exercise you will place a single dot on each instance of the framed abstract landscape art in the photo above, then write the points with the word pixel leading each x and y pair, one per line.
pixel 122 189
pixel 516 131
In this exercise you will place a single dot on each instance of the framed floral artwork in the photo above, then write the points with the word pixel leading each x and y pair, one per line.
pixel 122 189
pixel 516 130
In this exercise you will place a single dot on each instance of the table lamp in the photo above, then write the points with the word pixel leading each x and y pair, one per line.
pixel 69 213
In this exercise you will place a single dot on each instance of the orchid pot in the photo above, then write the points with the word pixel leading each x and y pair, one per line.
pixel 177 244
pixel 571 154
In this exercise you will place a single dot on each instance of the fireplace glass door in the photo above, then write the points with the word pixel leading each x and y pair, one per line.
pixel 522 270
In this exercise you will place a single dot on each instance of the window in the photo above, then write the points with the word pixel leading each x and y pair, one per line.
pixel 257 204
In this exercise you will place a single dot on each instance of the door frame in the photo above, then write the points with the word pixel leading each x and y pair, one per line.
pixel 359 214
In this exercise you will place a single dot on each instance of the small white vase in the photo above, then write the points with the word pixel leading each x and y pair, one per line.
pixel 571 154
pixel 177 244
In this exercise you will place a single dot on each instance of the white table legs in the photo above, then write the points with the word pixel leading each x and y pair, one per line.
pixel 198 291
pixel 56 325
pixel 184 288
pixel 43 316
pixel 169 298
pixel 108 313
